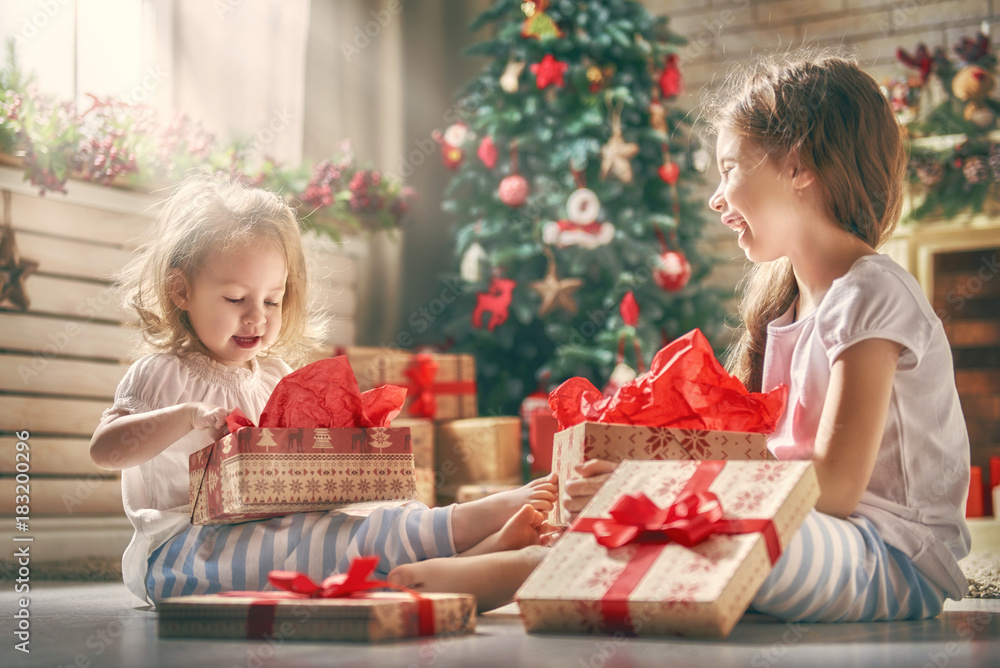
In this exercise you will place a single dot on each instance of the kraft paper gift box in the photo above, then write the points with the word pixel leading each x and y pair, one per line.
pixel 622 567
pixel 477 450
pixel 359 615
pixel 256 473
pixel 440 386
pixel 619 442
pixel 422 442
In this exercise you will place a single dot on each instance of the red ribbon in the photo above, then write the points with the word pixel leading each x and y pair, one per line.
pixel 352 584
pixel 695 516
pixel 421 372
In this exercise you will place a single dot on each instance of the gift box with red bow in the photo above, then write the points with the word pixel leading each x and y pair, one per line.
pixel 342 607
pixel 321 445
pixel 439 386
pixel 670 548
pixel 685 407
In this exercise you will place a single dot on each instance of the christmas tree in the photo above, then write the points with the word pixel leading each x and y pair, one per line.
pixel 576 242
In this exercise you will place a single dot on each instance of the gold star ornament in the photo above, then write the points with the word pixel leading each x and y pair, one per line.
pixel 555 291
pixel 617 153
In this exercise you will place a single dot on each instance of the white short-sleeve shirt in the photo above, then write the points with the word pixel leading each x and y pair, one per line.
pixel 917 493
pixel 155 493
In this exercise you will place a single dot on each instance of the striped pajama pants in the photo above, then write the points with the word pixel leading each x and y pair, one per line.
pixel 836 570
pixel 238 557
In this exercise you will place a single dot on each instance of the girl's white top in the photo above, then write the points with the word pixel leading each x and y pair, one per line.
pixel 155 493
pixel 917 493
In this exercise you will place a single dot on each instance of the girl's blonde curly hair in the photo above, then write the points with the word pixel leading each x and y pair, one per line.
pixel 204 214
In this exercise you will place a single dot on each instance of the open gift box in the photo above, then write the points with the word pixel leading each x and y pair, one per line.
pixel 670 548
pixel 258 473
pixel 685 407
pixel 321 444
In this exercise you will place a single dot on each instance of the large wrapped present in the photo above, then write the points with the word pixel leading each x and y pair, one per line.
pixel 670 548
pixel 321 444
pixel 440 386
pixel 343 607
pixel 686 406
pixel 477 450
pixel 426 487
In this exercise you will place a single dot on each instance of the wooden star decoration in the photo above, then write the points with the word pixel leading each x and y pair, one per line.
pixel 556 292
pixel 13 271
pixel 615 157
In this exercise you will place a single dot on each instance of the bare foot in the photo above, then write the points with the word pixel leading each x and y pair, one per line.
pixel 492 578
pixel 475 521
pixel 521 530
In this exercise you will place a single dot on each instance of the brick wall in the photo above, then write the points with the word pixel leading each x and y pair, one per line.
pixel 723 32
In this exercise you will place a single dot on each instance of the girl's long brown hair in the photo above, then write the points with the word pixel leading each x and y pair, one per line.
pixel 834 116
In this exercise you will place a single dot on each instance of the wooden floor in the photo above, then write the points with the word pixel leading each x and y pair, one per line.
pixel 94 624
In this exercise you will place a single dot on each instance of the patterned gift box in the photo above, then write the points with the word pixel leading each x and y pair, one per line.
pixel 426 488
pixel 256 473
pixel 360 615
pixel 477 450
pixel 644 586
pixel 421 440
pixel 618 442
pixel 438 386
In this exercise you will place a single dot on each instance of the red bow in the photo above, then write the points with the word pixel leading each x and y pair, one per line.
pixel 421 372
pixel 692 518
pixel 294 585
pixel 636 519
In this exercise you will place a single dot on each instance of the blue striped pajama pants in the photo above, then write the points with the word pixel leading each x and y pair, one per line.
pixel 209 559
pixel 840 570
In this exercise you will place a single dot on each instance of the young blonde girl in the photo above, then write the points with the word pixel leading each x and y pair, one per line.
pixel 812 165
pixel 220 291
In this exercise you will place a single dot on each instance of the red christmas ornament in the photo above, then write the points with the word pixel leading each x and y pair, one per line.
pixel 629 309
pixel 669 172
pixel 495 301
pixel 672 271
pixel 487 152
pixel 671 83
pixel 513 190
pixel 549 72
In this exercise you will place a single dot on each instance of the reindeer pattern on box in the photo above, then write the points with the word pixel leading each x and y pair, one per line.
pixel 258 473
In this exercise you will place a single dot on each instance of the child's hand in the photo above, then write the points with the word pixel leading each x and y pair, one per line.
pixel 209 418
pixel 578 491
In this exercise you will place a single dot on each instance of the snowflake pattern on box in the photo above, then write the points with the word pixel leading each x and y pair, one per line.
pixel 701 590
pixel 274 472
pixel 619 442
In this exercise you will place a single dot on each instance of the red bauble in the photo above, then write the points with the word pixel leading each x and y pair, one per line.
pixel 513 190
pixel 487 152
pixel 669 172
pixel 671 82
pixel 673 271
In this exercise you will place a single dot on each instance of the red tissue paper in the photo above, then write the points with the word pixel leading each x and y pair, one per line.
pixel 325 395
pixel 685 388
